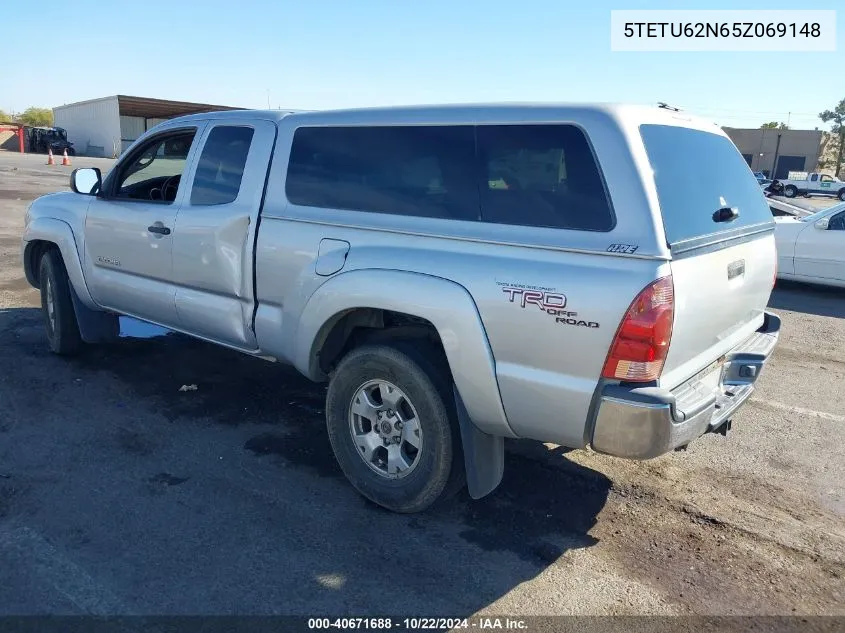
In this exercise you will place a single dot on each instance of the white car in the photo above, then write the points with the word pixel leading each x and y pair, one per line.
pixel 812 248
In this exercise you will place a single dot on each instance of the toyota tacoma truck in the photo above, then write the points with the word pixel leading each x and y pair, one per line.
pixel 580 275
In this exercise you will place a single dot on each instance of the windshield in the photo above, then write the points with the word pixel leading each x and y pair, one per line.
pixel 696 174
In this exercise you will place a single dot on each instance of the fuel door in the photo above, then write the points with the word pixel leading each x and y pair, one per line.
pixel 332 256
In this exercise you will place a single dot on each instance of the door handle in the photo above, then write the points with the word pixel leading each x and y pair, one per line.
pixel 158 229
pixel 726 214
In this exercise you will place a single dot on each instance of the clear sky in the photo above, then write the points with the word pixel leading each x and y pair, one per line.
pixel 346 53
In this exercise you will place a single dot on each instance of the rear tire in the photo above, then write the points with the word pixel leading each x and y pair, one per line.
pixel 60 322
pixel 841 194
pixel 408 386
pixel 790 191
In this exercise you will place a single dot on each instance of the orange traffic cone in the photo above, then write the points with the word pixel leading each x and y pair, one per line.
pixel 65 159
pixel 50 160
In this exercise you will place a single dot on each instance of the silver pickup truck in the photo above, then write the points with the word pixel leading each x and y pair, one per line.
pixel 582 275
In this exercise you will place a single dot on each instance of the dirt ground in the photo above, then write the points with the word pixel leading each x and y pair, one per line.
pixel 119 493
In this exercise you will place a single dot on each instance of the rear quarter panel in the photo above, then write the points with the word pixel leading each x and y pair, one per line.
pixel 548 359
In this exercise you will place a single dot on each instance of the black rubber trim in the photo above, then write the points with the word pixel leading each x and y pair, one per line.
pixel 258 227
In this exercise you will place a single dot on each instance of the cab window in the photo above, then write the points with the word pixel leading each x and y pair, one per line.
pixel 154 171
pixel 221 165
pixel 543 176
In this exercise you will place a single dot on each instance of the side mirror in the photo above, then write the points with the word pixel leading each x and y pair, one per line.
pixel 823 224
pixel 86 180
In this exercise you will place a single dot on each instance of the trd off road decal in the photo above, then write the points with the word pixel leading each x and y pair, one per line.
pixel 547 300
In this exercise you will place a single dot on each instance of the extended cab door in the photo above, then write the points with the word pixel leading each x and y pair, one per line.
pixel 821 252
pixel 129 227
pixel 214 232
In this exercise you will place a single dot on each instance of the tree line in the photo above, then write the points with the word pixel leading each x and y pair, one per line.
pixel 32 116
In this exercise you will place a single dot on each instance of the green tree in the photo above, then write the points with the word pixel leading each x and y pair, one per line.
pixel 5 118
pixel 837 117
pixel 774 125
pixel 36 117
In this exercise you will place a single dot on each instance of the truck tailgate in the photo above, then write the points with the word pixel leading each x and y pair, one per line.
pixel 720 298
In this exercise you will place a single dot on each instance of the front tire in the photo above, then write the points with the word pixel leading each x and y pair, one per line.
pixel 841 194
pixel 790 191
pixel 392 425
pixel 60 322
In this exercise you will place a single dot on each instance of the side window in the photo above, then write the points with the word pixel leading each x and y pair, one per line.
pixel 541 175
pixel 155 171
pixel 221 165
pixel 426 171
pixel 814 178
pixel 837 222
pixel 826 178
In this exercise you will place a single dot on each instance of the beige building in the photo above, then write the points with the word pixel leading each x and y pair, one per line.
pixel 107 126
pixel 778 151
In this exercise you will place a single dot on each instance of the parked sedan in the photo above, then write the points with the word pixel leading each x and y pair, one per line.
pixel 812 248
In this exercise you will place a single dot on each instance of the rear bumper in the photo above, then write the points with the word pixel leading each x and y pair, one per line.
pixel 644 422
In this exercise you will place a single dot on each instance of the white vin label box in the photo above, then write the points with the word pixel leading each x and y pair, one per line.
pixel 723 30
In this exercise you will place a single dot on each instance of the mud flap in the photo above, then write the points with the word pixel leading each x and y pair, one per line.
pixel 94 326
pixel 484 455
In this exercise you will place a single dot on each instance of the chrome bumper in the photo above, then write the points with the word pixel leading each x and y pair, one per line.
pixel 644 422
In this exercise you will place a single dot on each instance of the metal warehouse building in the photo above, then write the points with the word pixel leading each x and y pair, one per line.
pixel 107 126
pixel 778 152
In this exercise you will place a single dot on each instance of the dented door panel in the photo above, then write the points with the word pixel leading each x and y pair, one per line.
pixel 213 242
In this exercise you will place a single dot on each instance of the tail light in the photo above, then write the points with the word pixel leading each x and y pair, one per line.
pixel 642 341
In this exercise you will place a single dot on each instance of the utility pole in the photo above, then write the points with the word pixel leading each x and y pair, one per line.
pixel 788 117
pixel 775 162
pixel 268 98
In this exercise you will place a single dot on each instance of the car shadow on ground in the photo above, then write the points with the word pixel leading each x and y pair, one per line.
pixel 545 506
pixel 824 301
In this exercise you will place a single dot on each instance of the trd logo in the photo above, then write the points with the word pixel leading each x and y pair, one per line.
pixel 546 301
pixel 552 303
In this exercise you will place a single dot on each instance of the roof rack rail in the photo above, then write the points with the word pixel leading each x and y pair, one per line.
pixel 666 106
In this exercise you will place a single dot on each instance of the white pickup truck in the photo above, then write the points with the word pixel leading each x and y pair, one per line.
pixel 814 184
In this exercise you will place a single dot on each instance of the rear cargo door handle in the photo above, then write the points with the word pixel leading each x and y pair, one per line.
pixel 726 214
pixel 159 229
